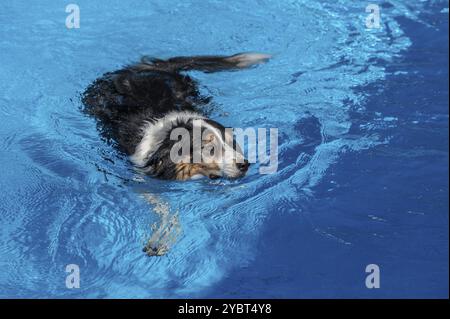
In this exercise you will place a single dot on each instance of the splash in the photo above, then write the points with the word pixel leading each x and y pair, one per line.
pixel 165 231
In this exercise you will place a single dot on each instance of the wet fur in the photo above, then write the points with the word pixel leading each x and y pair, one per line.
pixel 126 101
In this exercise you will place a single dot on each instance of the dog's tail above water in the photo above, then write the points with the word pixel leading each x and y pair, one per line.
pixel 203 63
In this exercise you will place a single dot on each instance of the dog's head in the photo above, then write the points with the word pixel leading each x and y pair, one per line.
pixel 185 145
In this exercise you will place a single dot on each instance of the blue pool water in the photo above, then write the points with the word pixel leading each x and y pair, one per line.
pixel 362 116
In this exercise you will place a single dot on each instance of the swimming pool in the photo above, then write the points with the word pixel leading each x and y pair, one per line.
pixel 362 116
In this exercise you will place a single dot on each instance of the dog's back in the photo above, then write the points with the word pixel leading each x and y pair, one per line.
pixel 122 101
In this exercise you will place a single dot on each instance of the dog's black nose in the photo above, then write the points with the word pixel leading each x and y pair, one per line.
pixel 243 167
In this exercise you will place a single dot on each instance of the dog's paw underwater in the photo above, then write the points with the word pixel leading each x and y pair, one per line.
pixel 140 107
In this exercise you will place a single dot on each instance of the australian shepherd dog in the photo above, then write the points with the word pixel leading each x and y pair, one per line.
pixel 138 107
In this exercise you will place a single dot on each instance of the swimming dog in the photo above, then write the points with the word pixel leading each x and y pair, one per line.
pixel 138 107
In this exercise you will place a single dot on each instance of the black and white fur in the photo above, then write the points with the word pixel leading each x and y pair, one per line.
pixel 137 107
